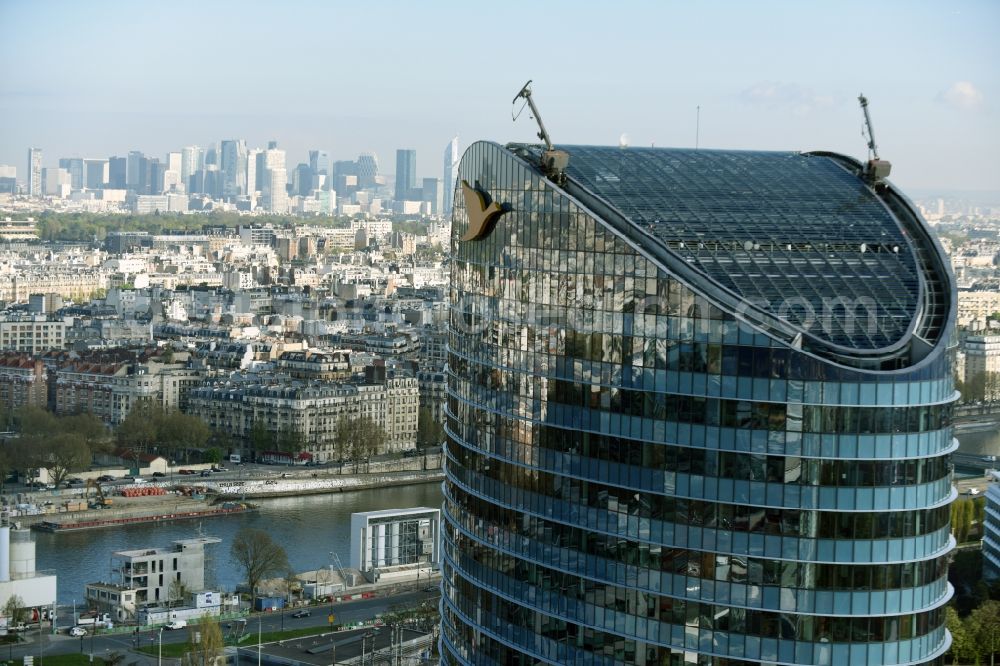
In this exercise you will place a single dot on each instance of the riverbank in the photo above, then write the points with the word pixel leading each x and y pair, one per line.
pixel 292 486
pixel 98 518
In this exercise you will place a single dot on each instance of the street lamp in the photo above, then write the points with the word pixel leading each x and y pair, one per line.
pixel 159 647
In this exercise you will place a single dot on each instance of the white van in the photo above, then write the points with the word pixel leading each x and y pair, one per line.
pixel 176 624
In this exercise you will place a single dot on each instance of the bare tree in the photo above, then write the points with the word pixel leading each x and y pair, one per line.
pixel 208 648
pixel 176 592
pixel 259 556
pixel 14 609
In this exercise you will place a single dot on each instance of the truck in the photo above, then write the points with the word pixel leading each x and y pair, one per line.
pixel 93 618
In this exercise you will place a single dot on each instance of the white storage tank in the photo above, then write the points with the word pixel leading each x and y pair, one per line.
pixel 4 553
pixel 22 553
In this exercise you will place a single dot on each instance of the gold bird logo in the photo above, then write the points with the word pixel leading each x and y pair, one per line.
pixel 483 212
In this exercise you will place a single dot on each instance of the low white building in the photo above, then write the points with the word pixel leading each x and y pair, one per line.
pixel 385 541
pixel 37 589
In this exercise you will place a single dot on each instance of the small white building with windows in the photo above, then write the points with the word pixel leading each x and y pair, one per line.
pixel 392 541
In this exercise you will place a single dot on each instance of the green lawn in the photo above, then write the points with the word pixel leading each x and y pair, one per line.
pixel 175 650
pixel 62 660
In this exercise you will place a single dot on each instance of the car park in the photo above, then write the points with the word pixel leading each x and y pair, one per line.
pixel 301 613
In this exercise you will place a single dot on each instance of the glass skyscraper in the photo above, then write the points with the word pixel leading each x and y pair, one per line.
pixel 699 412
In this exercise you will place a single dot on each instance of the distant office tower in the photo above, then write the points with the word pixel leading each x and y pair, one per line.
pixel 451 158
pixel 261 170
pixel 175 163
pixel 272 144
pixel 431 193
pixel 75 167
pixel 275 194
pixel 135 176
pixel 34 180
pixel 212 155
pixel 8 179
pixel 699 412
pixel 302 178
pixel 117 173
pixel 156 170
pixel 254 157
pixel 319 162
pixel 192 160
pixel 56 182
pixel 367 172
pixel 95 174
pixel 406 173
pixel 234 167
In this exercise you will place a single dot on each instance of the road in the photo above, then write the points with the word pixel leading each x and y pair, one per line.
pixel 346 612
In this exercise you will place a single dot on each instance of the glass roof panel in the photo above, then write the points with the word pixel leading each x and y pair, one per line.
pixel 797 234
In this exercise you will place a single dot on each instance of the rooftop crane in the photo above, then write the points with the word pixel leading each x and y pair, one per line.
pixel 554 161
pixel 877 169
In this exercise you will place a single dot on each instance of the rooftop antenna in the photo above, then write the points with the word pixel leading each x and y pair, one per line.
pixel 697 125
pixel 553 161
pixel 877 169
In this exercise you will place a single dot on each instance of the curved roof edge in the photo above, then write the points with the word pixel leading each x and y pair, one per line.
pixel 908 354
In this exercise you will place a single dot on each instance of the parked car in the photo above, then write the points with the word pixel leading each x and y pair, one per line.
pixel 219 469
pixel 301 613
pixel 74 481
pixel 176 624
pixel 186 471
pixel 159 475
pixel 77 631
pixel 104 478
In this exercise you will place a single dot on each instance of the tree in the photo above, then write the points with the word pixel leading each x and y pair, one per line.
pixel 63 454
pixel 258 555
pixel 181 433
pixel 208 649
pixel 176 592
pixel 212 455
pixel 984 627
pixel 35 421
pixel 261 439
pixel 14 609
pixel 961 645
pixel 961 519
pixel 139 429
pixel 89 427
pixel 291 441
pixel 361 437
pixel 429 431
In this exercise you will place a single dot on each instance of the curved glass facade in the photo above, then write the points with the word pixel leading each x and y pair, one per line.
pixel 641 472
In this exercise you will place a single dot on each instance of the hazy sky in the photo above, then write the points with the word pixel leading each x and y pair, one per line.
pixel 93 79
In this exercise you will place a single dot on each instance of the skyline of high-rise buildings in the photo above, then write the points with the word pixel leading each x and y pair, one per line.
pixel 246 179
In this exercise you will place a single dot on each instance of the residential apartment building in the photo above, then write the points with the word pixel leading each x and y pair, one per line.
pixel 110 390
pixel 982 364
pixel 150 577
pixel 24 382
pixel 34 333
pixel 312 410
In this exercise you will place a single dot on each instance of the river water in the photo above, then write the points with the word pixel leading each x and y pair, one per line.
pixel 309 528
